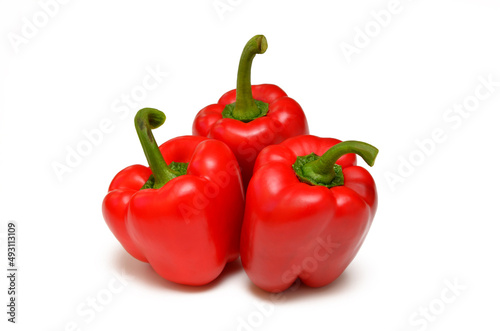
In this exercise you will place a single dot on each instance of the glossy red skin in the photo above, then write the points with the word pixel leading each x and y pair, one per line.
pixel 285 219
pixel 188 229
pixel 284 119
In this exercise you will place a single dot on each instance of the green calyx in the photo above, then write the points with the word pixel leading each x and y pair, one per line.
pixel 229 111
pixel 323 170
pixel 145 120
pixel 246 108
pixel 179 168
pixel 338 180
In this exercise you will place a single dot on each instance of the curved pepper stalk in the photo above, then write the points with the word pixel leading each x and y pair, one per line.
pixel 145 120
pixel 246 108
pixel 316 170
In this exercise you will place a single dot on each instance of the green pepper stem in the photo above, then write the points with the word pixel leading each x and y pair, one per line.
pixel 322 171
pixel 245 108
pixel 147 119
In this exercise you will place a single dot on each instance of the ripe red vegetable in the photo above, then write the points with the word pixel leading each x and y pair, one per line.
pixel 183 214
pixel 306 216
pixel 251 117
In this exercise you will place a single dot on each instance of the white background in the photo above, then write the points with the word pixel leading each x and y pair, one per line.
pixel 437 225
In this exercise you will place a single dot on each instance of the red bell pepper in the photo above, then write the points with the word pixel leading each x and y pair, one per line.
pixel 306 216
pixel 183 214
pixel 252 116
